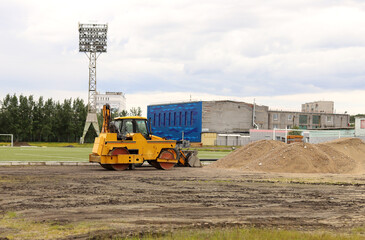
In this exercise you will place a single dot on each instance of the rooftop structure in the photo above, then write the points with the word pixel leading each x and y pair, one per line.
pixel 318 107
pixel 116 100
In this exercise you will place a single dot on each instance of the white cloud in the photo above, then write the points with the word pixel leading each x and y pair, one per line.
pixel 349 101
pixel 208 48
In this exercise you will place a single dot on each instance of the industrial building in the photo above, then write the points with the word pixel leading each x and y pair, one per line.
pixel 307 120
pixel 116 100
pixel 191 120
pixel 319 107
pixel 207 121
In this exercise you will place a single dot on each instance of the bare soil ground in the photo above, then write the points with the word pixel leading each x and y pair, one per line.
pixel 147 199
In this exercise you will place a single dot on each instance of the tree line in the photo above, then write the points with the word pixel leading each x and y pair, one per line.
pixel 41 120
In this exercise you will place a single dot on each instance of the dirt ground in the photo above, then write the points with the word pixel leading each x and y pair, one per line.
pixel 135 200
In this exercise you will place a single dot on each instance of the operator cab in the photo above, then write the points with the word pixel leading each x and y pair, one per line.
pixel 125 127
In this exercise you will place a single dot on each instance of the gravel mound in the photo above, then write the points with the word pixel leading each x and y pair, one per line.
pixel 340 156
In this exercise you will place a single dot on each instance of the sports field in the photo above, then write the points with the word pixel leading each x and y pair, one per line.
pixel 75 154
pixel 44 154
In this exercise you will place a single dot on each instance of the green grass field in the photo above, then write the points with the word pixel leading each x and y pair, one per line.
pixel 212 154
pixel 76 154
pixel 44 154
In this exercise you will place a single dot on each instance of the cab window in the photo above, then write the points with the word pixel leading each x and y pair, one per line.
pixel 141 127
pixel 127 127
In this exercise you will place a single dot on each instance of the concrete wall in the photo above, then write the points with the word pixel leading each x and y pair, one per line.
pixel 231 117
pixel 265 134
pixel 318 107
pixel 232 140
pixel 284 119
pixel 359 126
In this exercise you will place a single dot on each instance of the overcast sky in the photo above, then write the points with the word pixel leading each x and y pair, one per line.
pixel 281 53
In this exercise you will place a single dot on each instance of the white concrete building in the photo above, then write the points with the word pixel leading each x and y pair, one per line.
pixel 319 107
pixel 116 100
pixel 359 126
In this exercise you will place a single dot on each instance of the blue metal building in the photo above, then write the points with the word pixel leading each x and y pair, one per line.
pixel 175 120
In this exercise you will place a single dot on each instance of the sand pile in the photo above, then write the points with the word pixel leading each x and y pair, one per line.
pixel 340 156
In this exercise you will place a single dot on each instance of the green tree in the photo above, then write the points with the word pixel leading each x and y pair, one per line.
pixel 135 111
pixel 48 121
pixel 79 111
pixel 25 112
pixel 299 133
pixel 38 120
pixel 123 113
pixel 10 116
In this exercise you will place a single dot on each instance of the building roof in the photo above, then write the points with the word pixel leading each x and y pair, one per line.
pixel 306 113
pixel 216 101
pixel 130 117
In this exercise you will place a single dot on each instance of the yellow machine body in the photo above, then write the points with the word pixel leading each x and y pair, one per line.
pixel 147 149
pixel 127 142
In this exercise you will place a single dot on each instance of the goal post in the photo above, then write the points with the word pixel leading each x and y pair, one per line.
pixel 7 136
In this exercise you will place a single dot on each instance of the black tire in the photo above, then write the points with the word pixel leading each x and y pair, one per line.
pixel 107 166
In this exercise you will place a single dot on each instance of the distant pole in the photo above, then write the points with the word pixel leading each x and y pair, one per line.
pixel 93 42
pixel 254 115
pixel 286 134
pixel 273 134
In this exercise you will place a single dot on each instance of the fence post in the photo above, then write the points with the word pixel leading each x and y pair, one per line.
pixel 273 134
pixel 286 134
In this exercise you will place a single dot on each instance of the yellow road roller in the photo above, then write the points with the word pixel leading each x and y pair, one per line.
pixel 127 142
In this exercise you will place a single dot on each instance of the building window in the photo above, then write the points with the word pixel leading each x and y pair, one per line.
pixel 191 118
pixel 180 118
pixel 275 126
pixel 169 119
pixel 316 119
pixel 275 116
pixel 174 118
pixel 186 118
pixel 303 119
pixel 154 119
pixel 329 118
pixel 159 119
pixel 288 126
pixel 290 117
pixel 164 119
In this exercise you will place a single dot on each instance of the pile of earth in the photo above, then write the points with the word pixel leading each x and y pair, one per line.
pixel 346 155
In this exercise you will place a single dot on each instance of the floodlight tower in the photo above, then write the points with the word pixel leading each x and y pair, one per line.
pixel 92 41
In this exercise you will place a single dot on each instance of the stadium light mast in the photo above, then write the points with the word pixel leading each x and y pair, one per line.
pixel 93 42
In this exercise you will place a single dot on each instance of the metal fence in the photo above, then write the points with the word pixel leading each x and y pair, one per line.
pixel 309 136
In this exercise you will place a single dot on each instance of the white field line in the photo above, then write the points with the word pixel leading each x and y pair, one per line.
pixel 47 156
